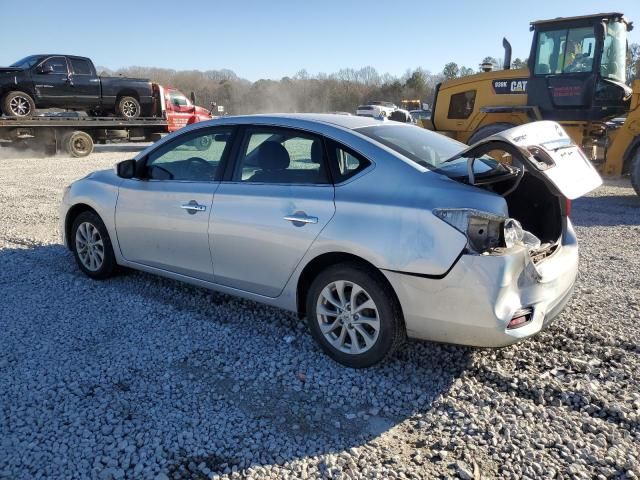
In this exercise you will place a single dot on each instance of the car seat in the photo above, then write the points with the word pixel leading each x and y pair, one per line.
pixel 273 159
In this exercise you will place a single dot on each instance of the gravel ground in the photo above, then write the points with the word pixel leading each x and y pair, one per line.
pixel 140 377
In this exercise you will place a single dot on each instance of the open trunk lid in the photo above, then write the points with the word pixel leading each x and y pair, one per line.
pixel 548 153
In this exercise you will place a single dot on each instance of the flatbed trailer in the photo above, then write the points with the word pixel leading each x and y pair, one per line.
pixel 77 135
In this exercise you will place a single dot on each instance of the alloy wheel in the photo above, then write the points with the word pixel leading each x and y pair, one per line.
pixel 348 317
pixel 89 246
pixel 19 106
pixel 129 108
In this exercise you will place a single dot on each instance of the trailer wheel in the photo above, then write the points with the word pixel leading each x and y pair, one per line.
pixel 18 104
pixel 635 171
pixel 128 107
pixel 78 144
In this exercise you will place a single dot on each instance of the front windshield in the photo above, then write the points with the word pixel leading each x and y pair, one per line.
pixel 614 52
pixel 429 149
pixel 26 62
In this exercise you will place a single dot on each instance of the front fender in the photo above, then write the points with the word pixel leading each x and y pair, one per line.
pixel 101 196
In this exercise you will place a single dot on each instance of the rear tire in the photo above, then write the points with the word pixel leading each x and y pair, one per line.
pixel 634 170
pixel 18 104
pixel 487 131
pixel 78 144
pixel 338 317
pixel 128 107
pixel 92 247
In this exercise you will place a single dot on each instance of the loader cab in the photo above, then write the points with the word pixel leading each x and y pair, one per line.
pixel 577 67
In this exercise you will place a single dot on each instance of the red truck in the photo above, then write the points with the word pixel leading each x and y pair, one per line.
pixel 180 110
pixel 75 133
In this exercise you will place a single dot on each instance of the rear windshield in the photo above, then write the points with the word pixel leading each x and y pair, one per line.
pixel 428 149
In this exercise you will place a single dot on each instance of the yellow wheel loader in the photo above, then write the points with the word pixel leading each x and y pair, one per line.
pixel 575 76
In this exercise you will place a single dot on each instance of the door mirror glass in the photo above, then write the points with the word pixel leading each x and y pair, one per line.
pixel 126 169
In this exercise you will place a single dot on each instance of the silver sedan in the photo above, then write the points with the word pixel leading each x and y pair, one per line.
pixel 374 230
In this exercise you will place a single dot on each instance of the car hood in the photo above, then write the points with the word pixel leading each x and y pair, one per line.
pixel 108 176
pixel 10 69
pixel 202 111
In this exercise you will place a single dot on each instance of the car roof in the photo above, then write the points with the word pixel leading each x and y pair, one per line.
pixel 312 121
pixel 350 122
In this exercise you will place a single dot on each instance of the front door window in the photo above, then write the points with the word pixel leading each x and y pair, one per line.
pixel 193 158
pixel 56 64
pixel 565 51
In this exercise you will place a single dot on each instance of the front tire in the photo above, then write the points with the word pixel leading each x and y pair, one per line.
pixel 18 104
pixel 92 247
pixel 128 107
pixel 353 316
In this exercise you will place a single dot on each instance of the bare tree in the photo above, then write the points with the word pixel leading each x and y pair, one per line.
pixel 451 70
pixel 633 63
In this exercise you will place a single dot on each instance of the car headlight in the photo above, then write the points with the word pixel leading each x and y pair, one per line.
pixel 482 229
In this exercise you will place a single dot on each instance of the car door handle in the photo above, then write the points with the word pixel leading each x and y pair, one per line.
pixel 193 207
pixel 300 217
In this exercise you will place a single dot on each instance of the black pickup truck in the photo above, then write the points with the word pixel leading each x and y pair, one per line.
pixel 70 82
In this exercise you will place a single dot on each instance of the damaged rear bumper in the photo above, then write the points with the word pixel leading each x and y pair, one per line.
pixel 481 294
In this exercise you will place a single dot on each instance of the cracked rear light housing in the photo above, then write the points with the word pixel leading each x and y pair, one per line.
pixel 520 318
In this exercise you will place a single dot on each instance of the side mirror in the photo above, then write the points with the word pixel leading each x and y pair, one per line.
pixel 126 169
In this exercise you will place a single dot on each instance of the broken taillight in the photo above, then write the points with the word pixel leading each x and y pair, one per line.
pixel 521 318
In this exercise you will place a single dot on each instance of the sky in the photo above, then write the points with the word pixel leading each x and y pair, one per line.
pixel 276 38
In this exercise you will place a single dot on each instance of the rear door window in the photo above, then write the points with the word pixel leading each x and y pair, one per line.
pixel 80 66
pixel 281 156
pixel 345 163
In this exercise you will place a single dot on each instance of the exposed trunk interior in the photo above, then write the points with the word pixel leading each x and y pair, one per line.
pixel 536 208
pixel 532 203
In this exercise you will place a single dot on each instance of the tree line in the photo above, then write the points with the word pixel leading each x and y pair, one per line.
pixel 343 90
